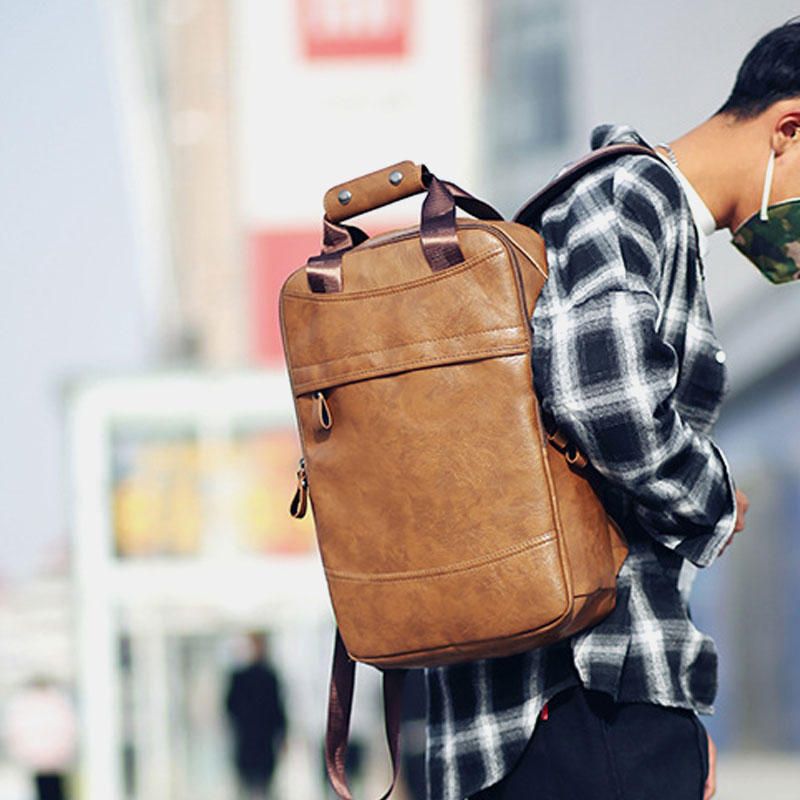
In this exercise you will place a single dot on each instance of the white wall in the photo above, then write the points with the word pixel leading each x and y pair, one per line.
pixel 304 126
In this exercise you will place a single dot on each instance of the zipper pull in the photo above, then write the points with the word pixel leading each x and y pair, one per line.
pixel 558 438
pixel 573 455
pixel 297 507
pixel 324 417
pixel 544 713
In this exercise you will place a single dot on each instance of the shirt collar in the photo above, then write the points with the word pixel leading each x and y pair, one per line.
pixel 703 218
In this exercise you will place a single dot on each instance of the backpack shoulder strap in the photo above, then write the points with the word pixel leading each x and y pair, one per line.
pixel 340 703
pixel 532 210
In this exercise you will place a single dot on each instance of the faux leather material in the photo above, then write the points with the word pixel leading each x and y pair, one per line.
pixel 404 326
pixel 449 526
pixel 373 190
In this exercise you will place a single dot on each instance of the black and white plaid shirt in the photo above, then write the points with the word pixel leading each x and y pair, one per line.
pixel 626 360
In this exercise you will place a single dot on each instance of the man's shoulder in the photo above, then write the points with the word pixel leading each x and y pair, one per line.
pixel 632 203
pixel 636 179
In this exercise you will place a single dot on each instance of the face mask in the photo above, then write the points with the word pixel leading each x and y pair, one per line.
pixel 771 237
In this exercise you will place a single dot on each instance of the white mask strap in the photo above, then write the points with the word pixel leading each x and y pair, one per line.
pixel 767 185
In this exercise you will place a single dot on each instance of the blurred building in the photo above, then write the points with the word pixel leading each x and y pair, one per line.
pixel 182 476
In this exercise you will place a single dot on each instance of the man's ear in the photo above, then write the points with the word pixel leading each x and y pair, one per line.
pixel 786 131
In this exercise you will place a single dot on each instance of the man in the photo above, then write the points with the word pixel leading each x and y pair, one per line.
pixel 41 735
pixel 627 364
pixel 256 710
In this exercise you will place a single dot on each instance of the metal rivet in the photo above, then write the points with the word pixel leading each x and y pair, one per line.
pixel 395 177
pixel 345 197
pixel 720 356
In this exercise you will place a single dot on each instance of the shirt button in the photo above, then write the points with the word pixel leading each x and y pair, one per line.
pixel 720 356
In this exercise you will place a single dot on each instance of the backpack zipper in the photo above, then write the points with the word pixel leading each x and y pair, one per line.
pixel 323 411
pixel 297 508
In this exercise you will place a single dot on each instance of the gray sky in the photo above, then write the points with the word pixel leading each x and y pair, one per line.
pixel 70 296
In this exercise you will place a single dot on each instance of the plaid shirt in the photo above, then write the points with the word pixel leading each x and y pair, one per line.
pixel 626 361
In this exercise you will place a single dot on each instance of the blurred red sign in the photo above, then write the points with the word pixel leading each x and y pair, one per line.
pixel 353 28
pixel 274 253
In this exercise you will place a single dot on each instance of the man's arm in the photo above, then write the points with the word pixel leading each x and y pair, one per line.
pixel 607 377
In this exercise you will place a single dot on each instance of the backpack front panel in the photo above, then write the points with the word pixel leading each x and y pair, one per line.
pixel 434 519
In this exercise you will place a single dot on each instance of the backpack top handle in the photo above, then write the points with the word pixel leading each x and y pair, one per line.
pixel 437 225
pixel 392 183
pixel 373 190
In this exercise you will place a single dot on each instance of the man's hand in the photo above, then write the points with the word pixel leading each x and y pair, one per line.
pixel 711 780
pixel 742 504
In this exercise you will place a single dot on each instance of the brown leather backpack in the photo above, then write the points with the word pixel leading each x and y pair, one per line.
pixel 453 522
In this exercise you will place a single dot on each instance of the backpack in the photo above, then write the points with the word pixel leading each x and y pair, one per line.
pixel 454 522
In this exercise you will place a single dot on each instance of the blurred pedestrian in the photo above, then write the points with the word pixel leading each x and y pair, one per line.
pixel 255 708
pixel 41 735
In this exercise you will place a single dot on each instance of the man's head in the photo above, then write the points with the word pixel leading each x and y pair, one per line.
pixel 770 72
pixel 745 159
pixel 258 645
pixel 763 109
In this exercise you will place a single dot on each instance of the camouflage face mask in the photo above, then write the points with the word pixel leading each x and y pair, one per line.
pixel 771 237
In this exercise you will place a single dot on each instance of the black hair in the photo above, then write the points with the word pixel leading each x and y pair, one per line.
pixel 769 72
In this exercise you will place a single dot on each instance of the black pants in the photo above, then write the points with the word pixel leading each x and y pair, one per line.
pixel 591 748
pixel 49 786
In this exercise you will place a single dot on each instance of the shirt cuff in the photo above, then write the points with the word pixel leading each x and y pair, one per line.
pixel 702 551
